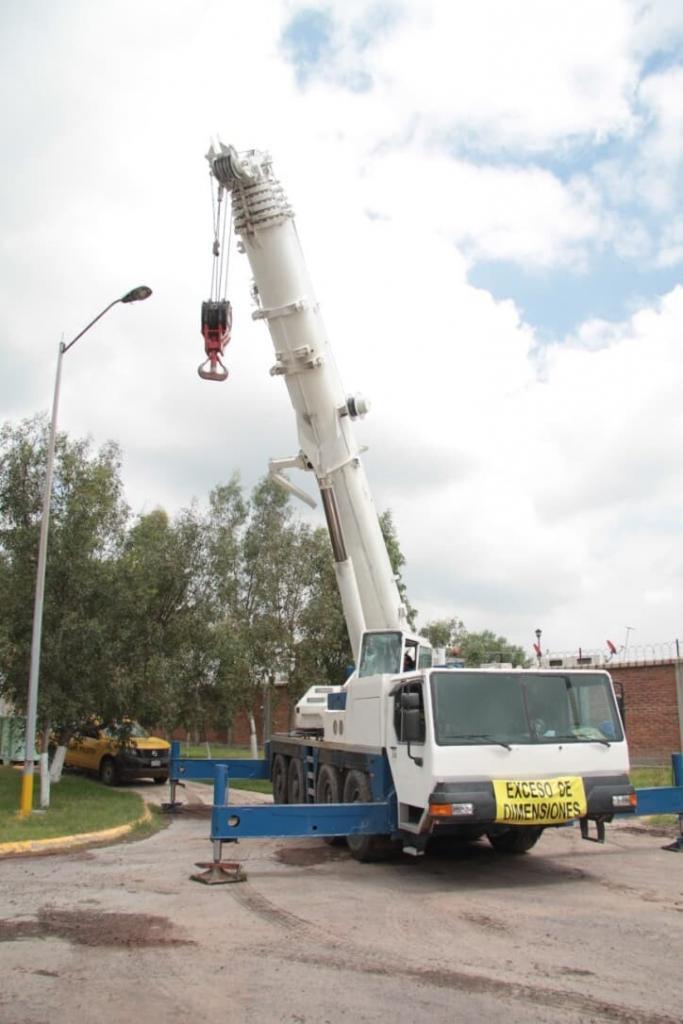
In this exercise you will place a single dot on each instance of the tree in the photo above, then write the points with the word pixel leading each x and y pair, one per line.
pixel 86 528
pixel 323 650
pixel 485 647
pixel 159 622
pixel 444 632
pixel 397 559
pixel 261 587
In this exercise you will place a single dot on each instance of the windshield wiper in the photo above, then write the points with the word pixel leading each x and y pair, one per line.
pixel 482 736
pixel 579 738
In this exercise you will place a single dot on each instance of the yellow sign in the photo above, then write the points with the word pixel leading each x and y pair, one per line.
pixel 539 801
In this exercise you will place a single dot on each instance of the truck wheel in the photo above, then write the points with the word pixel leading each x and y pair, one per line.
pixel 365 848
pixel 279 779
pixel 108 772
pixel 328 791
pixel 515 840
pixel 296 793
pixel 328 788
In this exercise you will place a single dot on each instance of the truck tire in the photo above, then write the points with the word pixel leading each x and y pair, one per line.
pixel 516 840
pixel 328 786
pixel 296 793
pixel 364 848
pixel 108 773
pixel 279 774
pixel 328 790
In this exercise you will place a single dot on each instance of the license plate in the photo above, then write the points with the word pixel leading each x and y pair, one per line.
pixel 155 764
pixel 539 801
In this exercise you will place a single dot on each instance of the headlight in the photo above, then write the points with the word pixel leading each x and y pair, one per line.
pixel 625 800
pixel 451 810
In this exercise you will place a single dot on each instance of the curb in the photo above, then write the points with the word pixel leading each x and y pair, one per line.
pixel 58 843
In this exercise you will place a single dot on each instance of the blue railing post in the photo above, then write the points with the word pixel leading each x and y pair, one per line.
pixel 220 785
pixel 221 798
pixel 173 774
pixel 677 773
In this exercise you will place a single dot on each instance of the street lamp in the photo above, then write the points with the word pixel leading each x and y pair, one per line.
pixel 537 645
pixel 26 805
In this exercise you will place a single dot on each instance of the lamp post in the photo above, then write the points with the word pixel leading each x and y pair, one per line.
pixel 26 805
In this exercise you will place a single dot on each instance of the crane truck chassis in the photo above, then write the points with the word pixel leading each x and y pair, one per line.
pixel 405 750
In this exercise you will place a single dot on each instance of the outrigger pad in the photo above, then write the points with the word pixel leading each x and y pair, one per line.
pixel 173 808
pixel 219 872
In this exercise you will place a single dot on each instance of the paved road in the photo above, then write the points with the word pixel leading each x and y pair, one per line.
pixel 572 932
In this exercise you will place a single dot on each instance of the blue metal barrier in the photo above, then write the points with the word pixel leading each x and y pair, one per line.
pixel 230 823
pixel 666 800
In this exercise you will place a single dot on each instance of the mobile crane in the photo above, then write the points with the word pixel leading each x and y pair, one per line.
pixel 404 751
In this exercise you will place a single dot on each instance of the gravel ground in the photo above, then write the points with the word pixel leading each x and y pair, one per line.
pixel 571 932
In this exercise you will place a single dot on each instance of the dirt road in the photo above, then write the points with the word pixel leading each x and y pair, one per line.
pixel 571 932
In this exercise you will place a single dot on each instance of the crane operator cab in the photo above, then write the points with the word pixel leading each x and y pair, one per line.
pixel 392 651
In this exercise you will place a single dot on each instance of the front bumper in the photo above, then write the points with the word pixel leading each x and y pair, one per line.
pixel 137 766
pixel 474 803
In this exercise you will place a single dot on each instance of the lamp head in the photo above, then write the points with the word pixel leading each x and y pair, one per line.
pixel 137 294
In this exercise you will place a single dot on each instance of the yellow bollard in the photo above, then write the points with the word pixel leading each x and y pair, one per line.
pixel 26 804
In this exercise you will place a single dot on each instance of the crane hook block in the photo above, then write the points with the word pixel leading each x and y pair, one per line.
pixel 216 324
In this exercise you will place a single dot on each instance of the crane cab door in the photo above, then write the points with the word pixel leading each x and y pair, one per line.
pixel 406 739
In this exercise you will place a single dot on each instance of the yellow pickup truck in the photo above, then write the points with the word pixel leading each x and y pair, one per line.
pixel 103 751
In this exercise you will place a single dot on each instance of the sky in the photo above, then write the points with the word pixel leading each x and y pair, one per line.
pixel 489 199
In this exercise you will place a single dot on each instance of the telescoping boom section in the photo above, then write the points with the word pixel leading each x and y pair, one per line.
pixel 264 220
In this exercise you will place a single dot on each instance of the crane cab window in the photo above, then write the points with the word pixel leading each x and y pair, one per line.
pixel 380 653
pixel 424 657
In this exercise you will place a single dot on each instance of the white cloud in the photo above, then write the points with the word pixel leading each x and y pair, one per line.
pixel 531 486
pixel 497 76
pixel 522 214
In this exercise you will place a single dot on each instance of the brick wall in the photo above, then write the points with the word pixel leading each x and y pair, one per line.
pixel 238 734
pixel 652 721
pixel 281 715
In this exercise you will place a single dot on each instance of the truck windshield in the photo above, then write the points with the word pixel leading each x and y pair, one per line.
pixel 523 707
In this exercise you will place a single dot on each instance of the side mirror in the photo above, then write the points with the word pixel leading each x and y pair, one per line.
pixel 412 727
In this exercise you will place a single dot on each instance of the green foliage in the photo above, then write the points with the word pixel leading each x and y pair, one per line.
pixel 323 653
pixel 485 647
pixel 444 632
pixel 160 636
pixel 476 648
pixel 397 559
pixel 86 531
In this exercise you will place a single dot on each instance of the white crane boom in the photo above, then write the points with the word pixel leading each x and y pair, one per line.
pixel 286 301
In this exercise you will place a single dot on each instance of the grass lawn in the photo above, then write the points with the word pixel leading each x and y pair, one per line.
pixel 77 805
pixel 214 750
pixel 642 778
